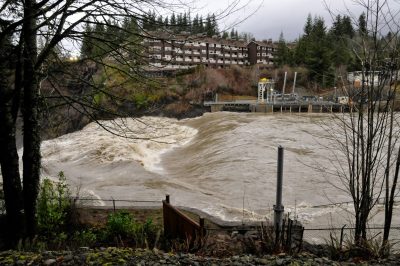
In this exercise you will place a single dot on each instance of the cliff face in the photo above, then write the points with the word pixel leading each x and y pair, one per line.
pixel 80 93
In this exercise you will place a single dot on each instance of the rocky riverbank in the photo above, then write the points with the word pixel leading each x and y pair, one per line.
pixel 127 256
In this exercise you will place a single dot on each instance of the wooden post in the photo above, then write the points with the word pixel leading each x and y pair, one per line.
pixel 201 223
pixel 167 198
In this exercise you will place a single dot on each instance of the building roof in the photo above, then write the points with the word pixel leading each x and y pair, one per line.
pixel 165 35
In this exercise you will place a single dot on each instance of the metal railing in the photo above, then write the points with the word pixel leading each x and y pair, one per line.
pixel 345 235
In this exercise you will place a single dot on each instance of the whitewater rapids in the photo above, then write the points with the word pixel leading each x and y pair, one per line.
pixel 221 163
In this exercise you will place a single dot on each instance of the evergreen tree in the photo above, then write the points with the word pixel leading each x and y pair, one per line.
pixel 185 24
pixel 146 22
pixel 347 27
pixel 112 35
pixel 125 28
pixel 225 35
pixel 99 47
pixel 209 27
pixel 340 33
pixel 132 28
pixel 337 29
pixel 309 25
pixel 195 25
pixel 87 45
pixel 318 58
pixel 160 22
pixel 214 24
pixel 166 25
pixel 152 21
pixel 179 22
pixel 362 24
pixel 189 22
pixel 201 25
pixel 173 23
pixel 232 34
pixel 282 56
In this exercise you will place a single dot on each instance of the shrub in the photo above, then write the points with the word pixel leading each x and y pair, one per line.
pixel 53 207
pixel 85 237
pixel 122 225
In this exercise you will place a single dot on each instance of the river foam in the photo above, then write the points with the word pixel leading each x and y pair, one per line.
pixel 142 140
pixel 114 158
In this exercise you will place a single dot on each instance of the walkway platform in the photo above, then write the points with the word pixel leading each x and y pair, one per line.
pixel 286 106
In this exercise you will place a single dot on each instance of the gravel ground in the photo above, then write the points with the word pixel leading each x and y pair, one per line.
pixel 126 256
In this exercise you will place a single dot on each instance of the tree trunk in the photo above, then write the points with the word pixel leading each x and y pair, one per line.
pixel 31 157
pixel 9 159
pixel 389 203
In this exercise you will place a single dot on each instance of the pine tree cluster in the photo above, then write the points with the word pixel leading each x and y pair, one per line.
pixel 323 50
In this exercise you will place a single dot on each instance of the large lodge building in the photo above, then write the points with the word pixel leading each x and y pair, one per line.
pixel 182 52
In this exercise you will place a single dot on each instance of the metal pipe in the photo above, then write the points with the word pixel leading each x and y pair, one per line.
pixel 284 84
pixel 294 82
pixel 278 208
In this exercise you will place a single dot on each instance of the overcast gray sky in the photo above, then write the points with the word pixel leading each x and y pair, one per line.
pixel 276 16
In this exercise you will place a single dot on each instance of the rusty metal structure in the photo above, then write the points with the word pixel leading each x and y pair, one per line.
pixel 178 225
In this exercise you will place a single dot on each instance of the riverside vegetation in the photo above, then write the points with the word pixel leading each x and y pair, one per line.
pixel 124 240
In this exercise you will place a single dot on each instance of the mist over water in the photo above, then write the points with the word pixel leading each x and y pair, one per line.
pixel 221 163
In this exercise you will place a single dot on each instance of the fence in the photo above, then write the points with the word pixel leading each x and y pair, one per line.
pixel 114 203
pixel 179 225
pixel 344 235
